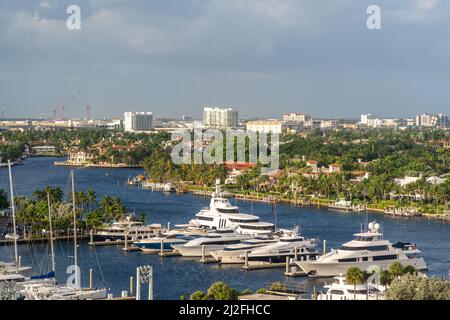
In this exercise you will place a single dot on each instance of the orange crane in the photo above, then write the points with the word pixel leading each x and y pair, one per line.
pixel 88 106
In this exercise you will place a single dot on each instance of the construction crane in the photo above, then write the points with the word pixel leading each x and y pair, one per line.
pixel 65 105
pixel 88 106
pixel 3 113
pixel 58 104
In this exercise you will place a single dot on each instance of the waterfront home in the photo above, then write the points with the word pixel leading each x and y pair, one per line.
pixel 43 150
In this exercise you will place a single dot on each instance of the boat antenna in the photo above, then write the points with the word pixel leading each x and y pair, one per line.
pixel 13 208
pixel 51 235
pixel 75 247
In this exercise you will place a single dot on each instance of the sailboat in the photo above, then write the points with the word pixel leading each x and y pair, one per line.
pixel 13 271
pixel 45 290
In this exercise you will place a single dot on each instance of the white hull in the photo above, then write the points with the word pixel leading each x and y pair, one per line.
pixel 317 269
pixel 196 251
pixel 228 257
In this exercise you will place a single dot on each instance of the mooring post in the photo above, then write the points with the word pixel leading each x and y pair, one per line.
pixel 91 236
pixel 287 264
pixel 131 285
pixel 91 278
pixel 162 247
pixel 246 259
pixel 324 246
pixel 138 284
pixel 126 241
pixel 203 253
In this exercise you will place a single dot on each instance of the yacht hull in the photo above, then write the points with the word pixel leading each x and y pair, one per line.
pixel 196 251
pixel 155 246
pixel 318 269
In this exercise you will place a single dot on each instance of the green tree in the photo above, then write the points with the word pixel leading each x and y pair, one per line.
pixel 198 295
pixel 221 291
pixel 3 200
pixel 354 276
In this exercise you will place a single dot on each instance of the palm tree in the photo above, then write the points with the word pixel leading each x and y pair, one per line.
pixel 91 197
pixel 354 276
pixel 3 200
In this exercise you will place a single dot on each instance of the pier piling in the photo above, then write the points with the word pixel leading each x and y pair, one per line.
pixel 131 285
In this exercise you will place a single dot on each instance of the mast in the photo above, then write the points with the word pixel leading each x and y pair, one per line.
pixel 75 247
pixel 13 207
pixel 51 232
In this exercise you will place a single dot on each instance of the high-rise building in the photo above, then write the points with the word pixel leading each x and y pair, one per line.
pixel 138 121
pixel 221 118
pixel 431 120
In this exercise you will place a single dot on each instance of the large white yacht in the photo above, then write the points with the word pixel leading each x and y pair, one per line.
pixel 222 214
pixel 284 247
pixel 216 240
pixel 366 251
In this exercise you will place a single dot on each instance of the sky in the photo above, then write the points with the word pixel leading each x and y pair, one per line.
pixel 261 57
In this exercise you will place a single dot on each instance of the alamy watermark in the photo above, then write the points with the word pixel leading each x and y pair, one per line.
pixel 73 22
pixel 208 147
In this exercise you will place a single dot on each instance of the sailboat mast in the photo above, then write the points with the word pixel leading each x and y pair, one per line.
pixel 75 246
pixel 51 232
pixel 13 207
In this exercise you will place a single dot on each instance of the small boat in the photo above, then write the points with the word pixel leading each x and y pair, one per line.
pixel 216 240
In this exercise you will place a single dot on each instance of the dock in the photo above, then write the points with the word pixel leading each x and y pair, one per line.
pixel 169 254
pixel 10 242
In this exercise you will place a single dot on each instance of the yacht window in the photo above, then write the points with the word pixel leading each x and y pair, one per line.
pixel 385 257
pixel 205 218
pixel 256 227
pixel 291 240
pixel 336 292
pixel 223 242
pixel 369 248
pixel 365 259
pixel 222 210
pixel 244 221
pixel 361 291
pixel 347 260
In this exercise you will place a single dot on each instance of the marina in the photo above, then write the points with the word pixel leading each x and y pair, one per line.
pixel 183 275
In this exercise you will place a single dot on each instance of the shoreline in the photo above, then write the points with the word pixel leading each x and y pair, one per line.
pixel 301 203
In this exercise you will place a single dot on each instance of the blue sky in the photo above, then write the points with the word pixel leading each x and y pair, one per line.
pixel 262 57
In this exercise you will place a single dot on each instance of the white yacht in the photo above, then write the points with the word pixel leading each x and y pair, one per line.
pixel 339 290
pixel 153 245
pixel 216 240
pixel 366 251
pixel 136 230
pixel 232 253
pixel 284 247
pixel 222 214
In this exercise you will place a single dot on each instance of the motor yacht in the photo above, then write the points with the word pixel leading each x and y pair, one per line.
pixel 135 230
pixel 221 214
pixel 216 240
pixel 366 251
pixel 153 245
pixel 290 245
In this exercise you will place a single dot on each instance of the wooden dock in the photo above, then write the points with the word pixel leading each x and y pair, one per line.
pixel 8 242
pixel 169 254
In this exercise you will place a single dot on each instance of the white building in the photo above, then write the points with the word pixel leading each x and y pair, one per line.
pixel 221 118
pixel 266 126
pixel 43 150
pixel 296 117
pixel 138 121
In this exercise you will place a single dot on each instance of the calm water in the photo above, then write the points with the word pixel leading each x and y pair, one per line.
pixel 175 276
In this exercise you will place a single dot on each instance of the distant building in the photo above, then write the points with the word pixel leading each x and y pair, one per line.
pixel 296 117
pixel 221 118
pixel 186 118
pixel 43 150
pixel 138 121
pixel 430 120
pixel 80 158
pixel 266 126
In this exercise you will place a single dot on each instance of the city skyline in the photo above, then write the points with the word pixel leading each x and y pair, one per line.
pixel 173 59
